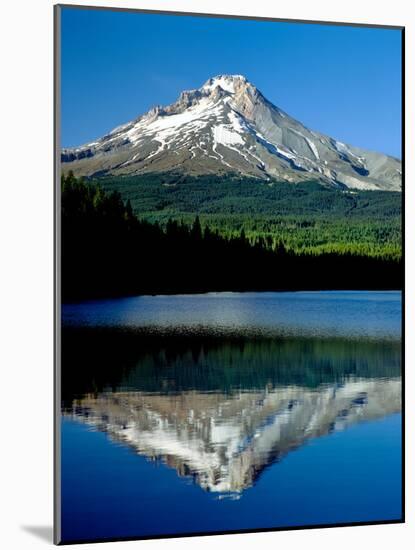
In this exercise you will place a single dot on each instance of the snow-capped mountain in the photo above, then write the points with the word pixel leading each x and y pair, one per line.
pixel 228 127
pixel 225 441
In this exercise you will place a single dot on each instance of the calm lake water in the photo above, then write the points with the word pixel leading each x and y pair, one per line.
pixel 228 411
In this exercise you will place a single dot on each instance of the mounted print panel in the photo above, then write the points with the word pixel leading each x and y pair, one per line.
pixel 229 274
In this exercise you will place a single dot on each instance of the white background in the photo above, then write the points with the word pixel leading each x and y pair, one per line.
pixel 26 274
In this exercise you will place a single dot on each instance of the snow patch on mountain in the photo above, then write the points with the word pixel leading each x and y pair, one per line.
pixel 225 135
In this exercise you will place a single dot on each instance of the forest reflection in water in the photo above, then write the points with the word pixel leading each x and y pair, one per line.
pixel 220 410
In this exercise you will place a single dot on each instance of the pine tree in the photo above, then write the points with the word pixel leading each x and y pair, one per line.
pixel 196 232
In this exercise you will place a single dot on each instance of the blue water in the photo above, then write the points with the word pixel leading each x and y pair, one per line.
pixel 265 410
pixel 108 491
pixel 345 314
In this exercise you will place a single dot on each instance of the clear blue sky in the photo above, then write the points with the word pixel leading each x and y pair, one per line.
pixel 342 81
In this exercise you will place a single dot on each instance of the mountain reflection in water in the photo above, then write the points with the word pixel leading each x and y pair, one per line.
pixel 221 410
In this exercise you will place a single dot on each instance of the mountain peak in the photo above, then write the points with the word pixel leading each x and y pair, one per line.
pixel 228 82
pixel 228 127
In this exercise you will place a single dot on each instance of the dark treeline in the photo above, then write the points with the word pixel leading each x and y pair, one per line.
pixel 99 359
pixel 107 251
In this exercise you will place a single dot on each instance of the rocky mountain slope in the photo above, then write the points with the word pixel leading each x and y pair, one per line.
pixel 228 127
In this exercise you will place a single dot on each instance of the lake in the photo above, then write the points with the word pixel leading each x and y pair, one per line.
pixel 230 411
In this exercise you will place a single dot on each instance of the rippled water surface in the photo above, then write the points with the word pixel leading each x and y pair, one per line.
pixel 216 412
pixel 355 314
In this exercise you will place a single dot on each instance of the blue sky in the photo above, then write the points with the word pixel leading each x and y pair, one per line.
pixel 342 81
